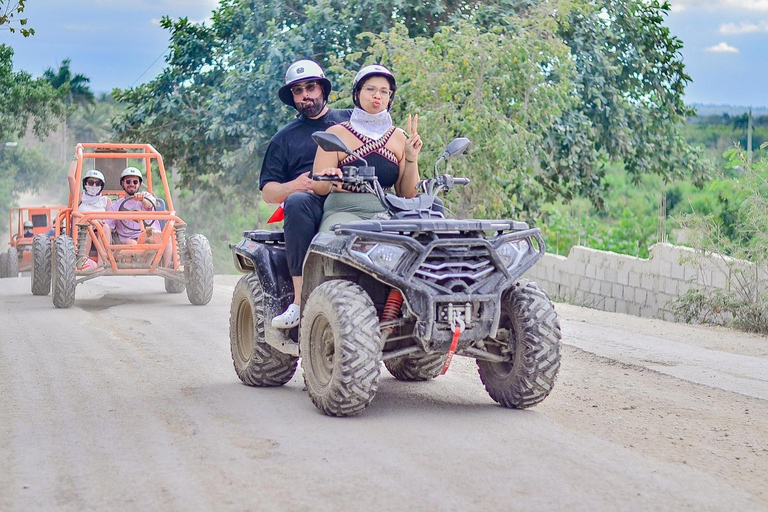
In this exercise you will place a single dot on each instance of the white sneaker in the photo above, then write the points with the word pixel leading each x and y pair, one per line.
pixel 289 319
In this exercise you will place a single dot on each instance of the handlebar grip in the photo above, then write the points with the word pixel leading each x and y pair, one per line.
pixel 326 178
pixel 461 181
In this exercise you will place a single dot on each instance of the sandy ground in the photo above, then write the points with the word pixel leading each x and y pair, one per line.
pixel 128 401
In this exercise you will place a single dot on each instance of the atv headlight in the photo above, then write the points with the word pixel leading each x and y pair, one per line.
pixel 512 252
pixel 385 256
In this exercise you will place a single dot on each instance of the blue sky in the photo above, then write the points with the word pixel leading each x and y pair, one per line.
pixel 118 43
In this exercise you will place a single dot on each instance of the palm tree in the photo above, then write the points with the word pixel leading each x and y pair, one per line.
pixel 79 92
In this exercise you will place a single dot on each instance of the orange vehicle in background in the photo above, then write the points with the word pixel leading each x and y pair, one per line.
pixel 21 222
pixel 67 257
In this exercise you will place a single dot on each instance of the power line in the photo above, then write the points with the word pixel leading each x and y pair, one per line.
pixel 150 67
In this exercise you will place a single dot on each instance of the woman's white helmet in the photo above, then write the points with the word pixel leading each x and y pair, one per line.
pixel 367 72
pixel 93 173
pixel 301 71
pixel 131 171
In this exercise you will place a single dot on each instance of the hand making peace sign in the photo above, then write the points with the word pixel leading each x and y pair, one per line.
pixel 413 143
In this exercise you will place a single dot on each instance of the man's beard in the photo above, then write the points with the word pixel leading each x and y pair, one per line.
pixel 311 108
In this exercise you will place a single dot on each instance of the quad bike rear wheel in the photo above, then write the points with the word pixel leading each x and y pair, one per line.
pixel 63 272
pixel 529 332
pixel 41 265
pixel 12 267
pixel 256 363
pixel 199 270
pixel 414 368
pixel 340 346
pixel 3 265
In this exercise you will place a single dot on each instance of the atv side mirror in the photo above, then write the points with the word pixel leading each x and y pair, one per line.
pixel 456 147
pixel 332 142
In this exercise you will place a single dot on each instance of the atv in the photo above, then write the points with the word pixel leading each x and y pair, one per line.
pixel 65 261
pixel 410 290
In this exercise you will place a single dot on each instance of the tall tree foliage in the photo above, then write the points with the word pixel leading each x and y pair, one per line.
pixel 549 89
pixel 74 86
pixel 9 13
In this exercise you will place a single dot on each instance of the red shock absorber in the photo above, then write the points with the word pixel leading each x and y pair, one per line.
pixel 392 307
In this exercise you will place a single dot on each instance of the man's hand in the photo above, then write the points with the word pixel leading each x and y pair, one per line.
pixel 302 184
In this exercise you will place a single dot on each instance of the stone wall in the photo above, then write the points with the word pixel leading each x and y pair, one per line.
pixel 625 284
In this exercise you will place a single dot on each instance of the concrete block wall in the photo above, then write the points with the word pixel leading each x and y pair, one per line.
pixel 625 284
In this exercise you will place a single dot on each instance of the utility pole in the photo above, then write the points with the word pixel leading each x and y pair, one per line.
pixel 749 137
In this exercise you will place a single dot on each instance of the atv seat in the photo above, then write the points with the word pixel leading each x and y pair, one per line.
pixel 265 235
pixel 160 207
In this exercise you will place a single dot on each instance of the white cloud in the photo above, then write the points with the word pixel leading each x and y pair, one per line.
pixel 722 48
pixel 743 28
pixel 719 5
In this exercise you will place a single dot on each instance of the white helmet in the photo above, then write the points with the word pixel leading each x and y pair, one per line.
pixel 131 171
pixel 301 71
pixel 28 224
pixel 367 72
pixel 93 173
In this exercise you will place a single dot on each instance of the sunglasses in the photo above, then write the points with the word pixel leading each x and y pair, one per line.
pixel 310 87
pixel 92 182
pixel 131 182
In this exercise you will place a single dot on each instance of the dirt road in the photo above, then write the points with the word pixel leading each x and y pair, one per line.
pixel 128 401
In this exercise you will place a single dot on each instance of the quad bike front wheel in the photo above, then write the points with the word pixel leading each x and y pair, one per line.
pixel 529 334
pixel 415 368
pixel 199 270
pixel 340 347
pixel 63 272
pixel 12 267
pixel 41 265
pixel 256 362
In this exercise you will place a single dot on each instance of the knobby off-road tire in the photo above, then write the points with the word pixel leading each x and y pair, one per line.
pixel 63 272
pixel 340 346
pixel 425 367
pixel 3 265
pixel 173 286
pixel 12 268
pixel 199 270
pixel 534 341
pixel 41 265
pixel 256 363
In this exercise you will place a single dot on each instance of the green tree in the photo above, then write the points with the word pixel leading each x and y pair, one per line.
pixel 614 95
pixel 75 87
pixel 9 11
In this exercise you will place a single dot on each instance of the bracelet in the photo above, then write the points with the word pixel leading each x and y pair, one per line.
pixel 410 161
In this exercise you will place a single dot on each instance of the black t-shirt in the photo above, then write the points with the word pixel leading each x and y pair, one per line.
pixel 291 152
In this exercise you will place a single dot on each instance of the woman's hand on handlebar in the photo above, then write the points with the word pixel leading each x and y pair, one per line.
pixel 328 174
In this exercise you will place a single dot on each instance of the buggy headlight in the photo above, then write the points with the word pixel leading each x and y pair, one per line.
pixel 512 252
pixel 385 256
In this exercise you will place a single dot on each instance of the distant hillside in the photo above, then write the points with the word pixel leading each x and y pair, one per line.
pixel 731 110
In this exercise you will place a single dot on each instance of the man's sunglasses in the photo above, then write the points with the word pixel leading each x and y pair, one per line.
pixel 131 182
pixel 310 87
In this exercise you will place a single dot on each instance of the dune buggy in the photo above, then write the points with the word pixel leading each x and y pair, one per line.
pixel 411 290
pixel 19 255
pixel 62 263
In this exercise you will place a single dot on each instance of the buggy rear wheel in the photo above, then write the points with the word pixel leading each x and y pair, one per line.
pixel 12 266
pixel 41 265
pixel 529 332
pixel 424 367
pixel 340 348
pixel 199 270
pixel 256 363
pixel 173 286
pixel 63 272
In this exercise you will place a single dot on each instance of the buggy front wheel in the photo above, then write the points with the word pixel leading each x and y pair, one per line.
pixel 41 265
pixel 63 272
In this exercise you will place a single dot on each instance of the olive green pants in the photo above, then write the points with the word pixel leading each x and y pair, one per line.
pixel 343 207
